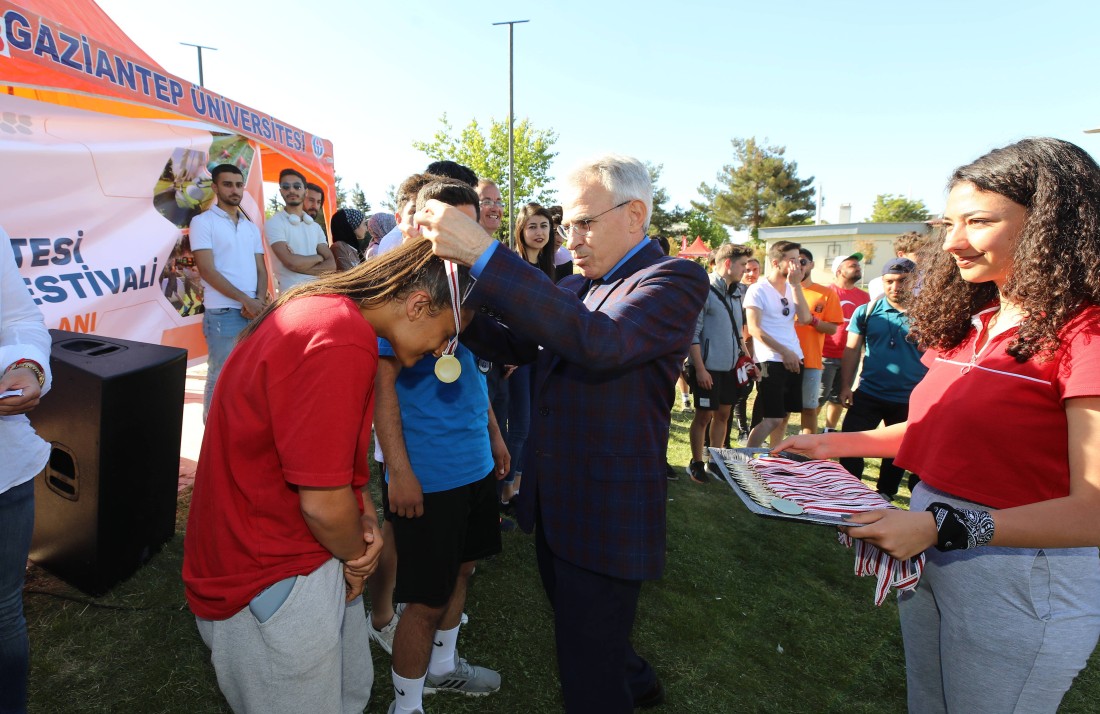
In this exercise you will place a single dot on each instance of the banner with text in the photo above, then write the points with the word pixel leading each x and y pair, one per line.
pixel 97 208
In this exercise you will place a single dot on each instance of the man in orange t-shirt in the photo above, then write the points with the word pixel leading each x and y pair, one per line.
pixel 825 318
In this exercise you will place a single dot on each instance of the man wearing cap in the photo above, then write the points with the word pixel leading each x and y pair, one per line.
pixel 892 367
pixel 907 245
pixel 847 271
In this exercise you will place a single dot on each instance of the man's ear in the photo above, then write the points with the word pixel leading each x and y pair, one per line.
pixel 636 211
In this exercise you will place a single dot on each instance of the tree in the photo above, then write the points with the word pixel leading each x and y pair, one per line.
pixel 662 220
pixel 889 208
pixel 488 156
pixel 274 205
pixel 390 201
pixel 341 192
pixel 359 200
pixel 761 188
pixel 702 224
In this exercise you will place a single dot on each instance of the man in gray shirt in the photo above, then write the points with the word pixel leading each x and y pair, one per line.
pixel 713 353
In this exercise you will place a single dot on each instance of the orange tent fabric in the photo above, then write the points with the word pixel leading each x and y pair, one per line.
pixel 70 52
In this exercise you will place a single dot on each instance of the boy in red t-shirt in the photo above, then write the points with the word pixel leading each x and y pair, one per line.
pixel 282 533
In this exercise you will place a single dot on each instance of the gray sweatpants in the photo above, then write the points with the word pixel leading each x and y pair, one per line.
pixel 998 630
pixel 312 655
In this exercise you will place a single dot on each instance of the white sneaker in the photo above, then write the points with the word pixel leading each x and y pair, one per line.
pixel 393 708
pixel 384 637
pixel 464 679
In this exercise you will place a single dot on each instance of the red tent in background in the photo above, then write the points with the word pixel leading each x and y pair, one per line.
pixel 698 249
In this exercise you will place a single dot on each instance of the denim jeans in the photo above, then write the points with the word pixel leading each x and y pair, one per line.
pixel 16 524
pixel 519 416
pixel 220 327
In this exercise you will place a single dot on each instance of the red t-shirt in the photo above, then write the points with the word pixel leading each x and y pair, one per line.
pixel 994 431
pixel 850 299
pixel 293 407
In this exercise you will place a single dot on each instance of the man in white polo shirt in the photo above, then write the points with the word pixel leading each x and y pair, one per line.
pixel 229 254
pixel 299 245
pixel 772 305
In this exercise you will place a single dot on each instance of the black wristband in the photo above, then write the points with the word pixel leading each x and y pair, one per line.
pixel 958 529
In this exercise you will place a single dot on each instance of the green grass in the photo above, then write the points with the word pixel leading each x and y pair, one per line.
pixel 751 616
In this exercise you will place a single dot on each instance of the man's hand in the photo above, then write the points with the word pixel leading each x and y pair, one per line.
pixel 454 235
pixel 791 361
pixel 846 396
pixel 502 460
pixel 364 565
pixel 250 308
pixel 794 272
pixel 406 496
pixel 703 378
pixel 19 378
pixel 353 585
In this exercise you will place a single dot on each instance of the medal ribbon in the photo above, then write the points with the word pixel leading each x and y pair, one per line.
pixel 452 285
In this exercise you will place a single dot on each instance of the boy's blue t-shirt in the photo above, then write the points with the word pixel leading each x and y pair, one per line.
pixel 889 372
pixel 446 426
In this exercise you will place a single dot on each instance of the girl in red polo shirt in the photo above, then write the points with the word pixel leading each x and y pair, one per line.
pixel 281 533
pixel 1005 433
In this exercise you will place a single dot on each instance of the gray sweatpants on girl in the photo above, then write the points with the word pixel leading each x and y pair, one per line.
pixel 998 630
pixel 312 655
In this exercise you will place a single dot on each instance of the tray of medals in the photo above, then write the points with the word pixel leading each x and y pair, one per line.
pixel 791 487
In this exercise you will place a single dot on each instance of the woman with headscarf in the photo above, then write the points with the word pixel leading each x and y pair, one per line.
pixel 378 226
pixel 349 226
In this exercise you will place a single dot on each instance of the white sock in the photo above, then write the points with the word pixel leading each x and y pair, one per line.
pixel 443 652
pixel 408 693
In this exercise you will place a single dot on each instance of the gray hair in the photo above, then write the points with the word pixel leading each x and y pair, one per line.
pixel 625 177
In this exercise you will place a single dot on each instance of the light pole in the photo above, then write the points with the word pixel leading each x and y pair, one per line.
pixel 511 137
pixel 200 48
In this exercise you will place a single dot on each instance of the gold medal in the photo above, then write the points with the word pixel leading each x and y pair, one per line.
pixel 447 368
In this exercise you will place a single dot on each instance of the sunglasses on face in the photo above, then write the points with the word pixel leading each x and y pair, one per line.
pixel 291 186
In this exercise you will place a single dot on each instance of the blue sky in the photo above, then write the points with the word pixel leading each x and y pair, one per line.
pixel 868 97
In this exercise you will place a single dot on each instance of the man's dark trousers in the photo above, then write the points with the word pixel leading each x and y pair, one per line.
pixel 593 618
pixel 865 414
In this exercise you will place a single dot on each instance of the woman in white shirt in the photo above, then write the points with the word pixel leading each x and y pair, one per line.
pixel 24 378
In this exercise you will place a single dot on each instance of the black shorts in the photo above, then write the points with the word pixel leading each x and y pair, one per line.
pixel 779 391
pixel 458 526
pixel 724 392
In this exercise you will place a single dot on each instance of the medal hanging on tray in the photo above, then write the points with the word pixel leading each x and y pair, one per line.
pixel 447 367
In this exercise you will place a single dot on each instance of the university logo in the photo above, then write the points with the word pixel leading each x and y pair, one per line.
pixel 5 51
pixel 318 147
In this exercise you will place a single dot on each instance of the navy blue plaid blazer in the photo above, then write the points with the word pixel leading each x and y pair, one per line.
pixel 602 396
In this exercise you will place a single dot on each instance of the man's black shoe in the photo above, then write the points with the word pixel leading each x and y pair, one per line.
pixel 652 698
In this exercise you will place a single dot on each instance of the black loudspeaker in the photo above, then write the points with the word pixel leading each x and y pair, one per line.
pixel 106 501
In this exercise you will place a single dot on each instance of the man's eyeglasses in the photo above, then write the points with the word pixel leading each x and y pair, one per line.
pixel 786 307
pixel 583 227
pixel 486 202
pixel 291 186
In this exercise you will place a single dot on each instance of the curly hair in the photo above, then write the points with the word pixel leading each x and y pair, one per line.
pixel 1054 271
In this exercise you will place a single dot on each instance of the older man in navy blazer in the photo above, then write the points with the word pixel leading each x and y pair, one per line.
pixel 612 341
